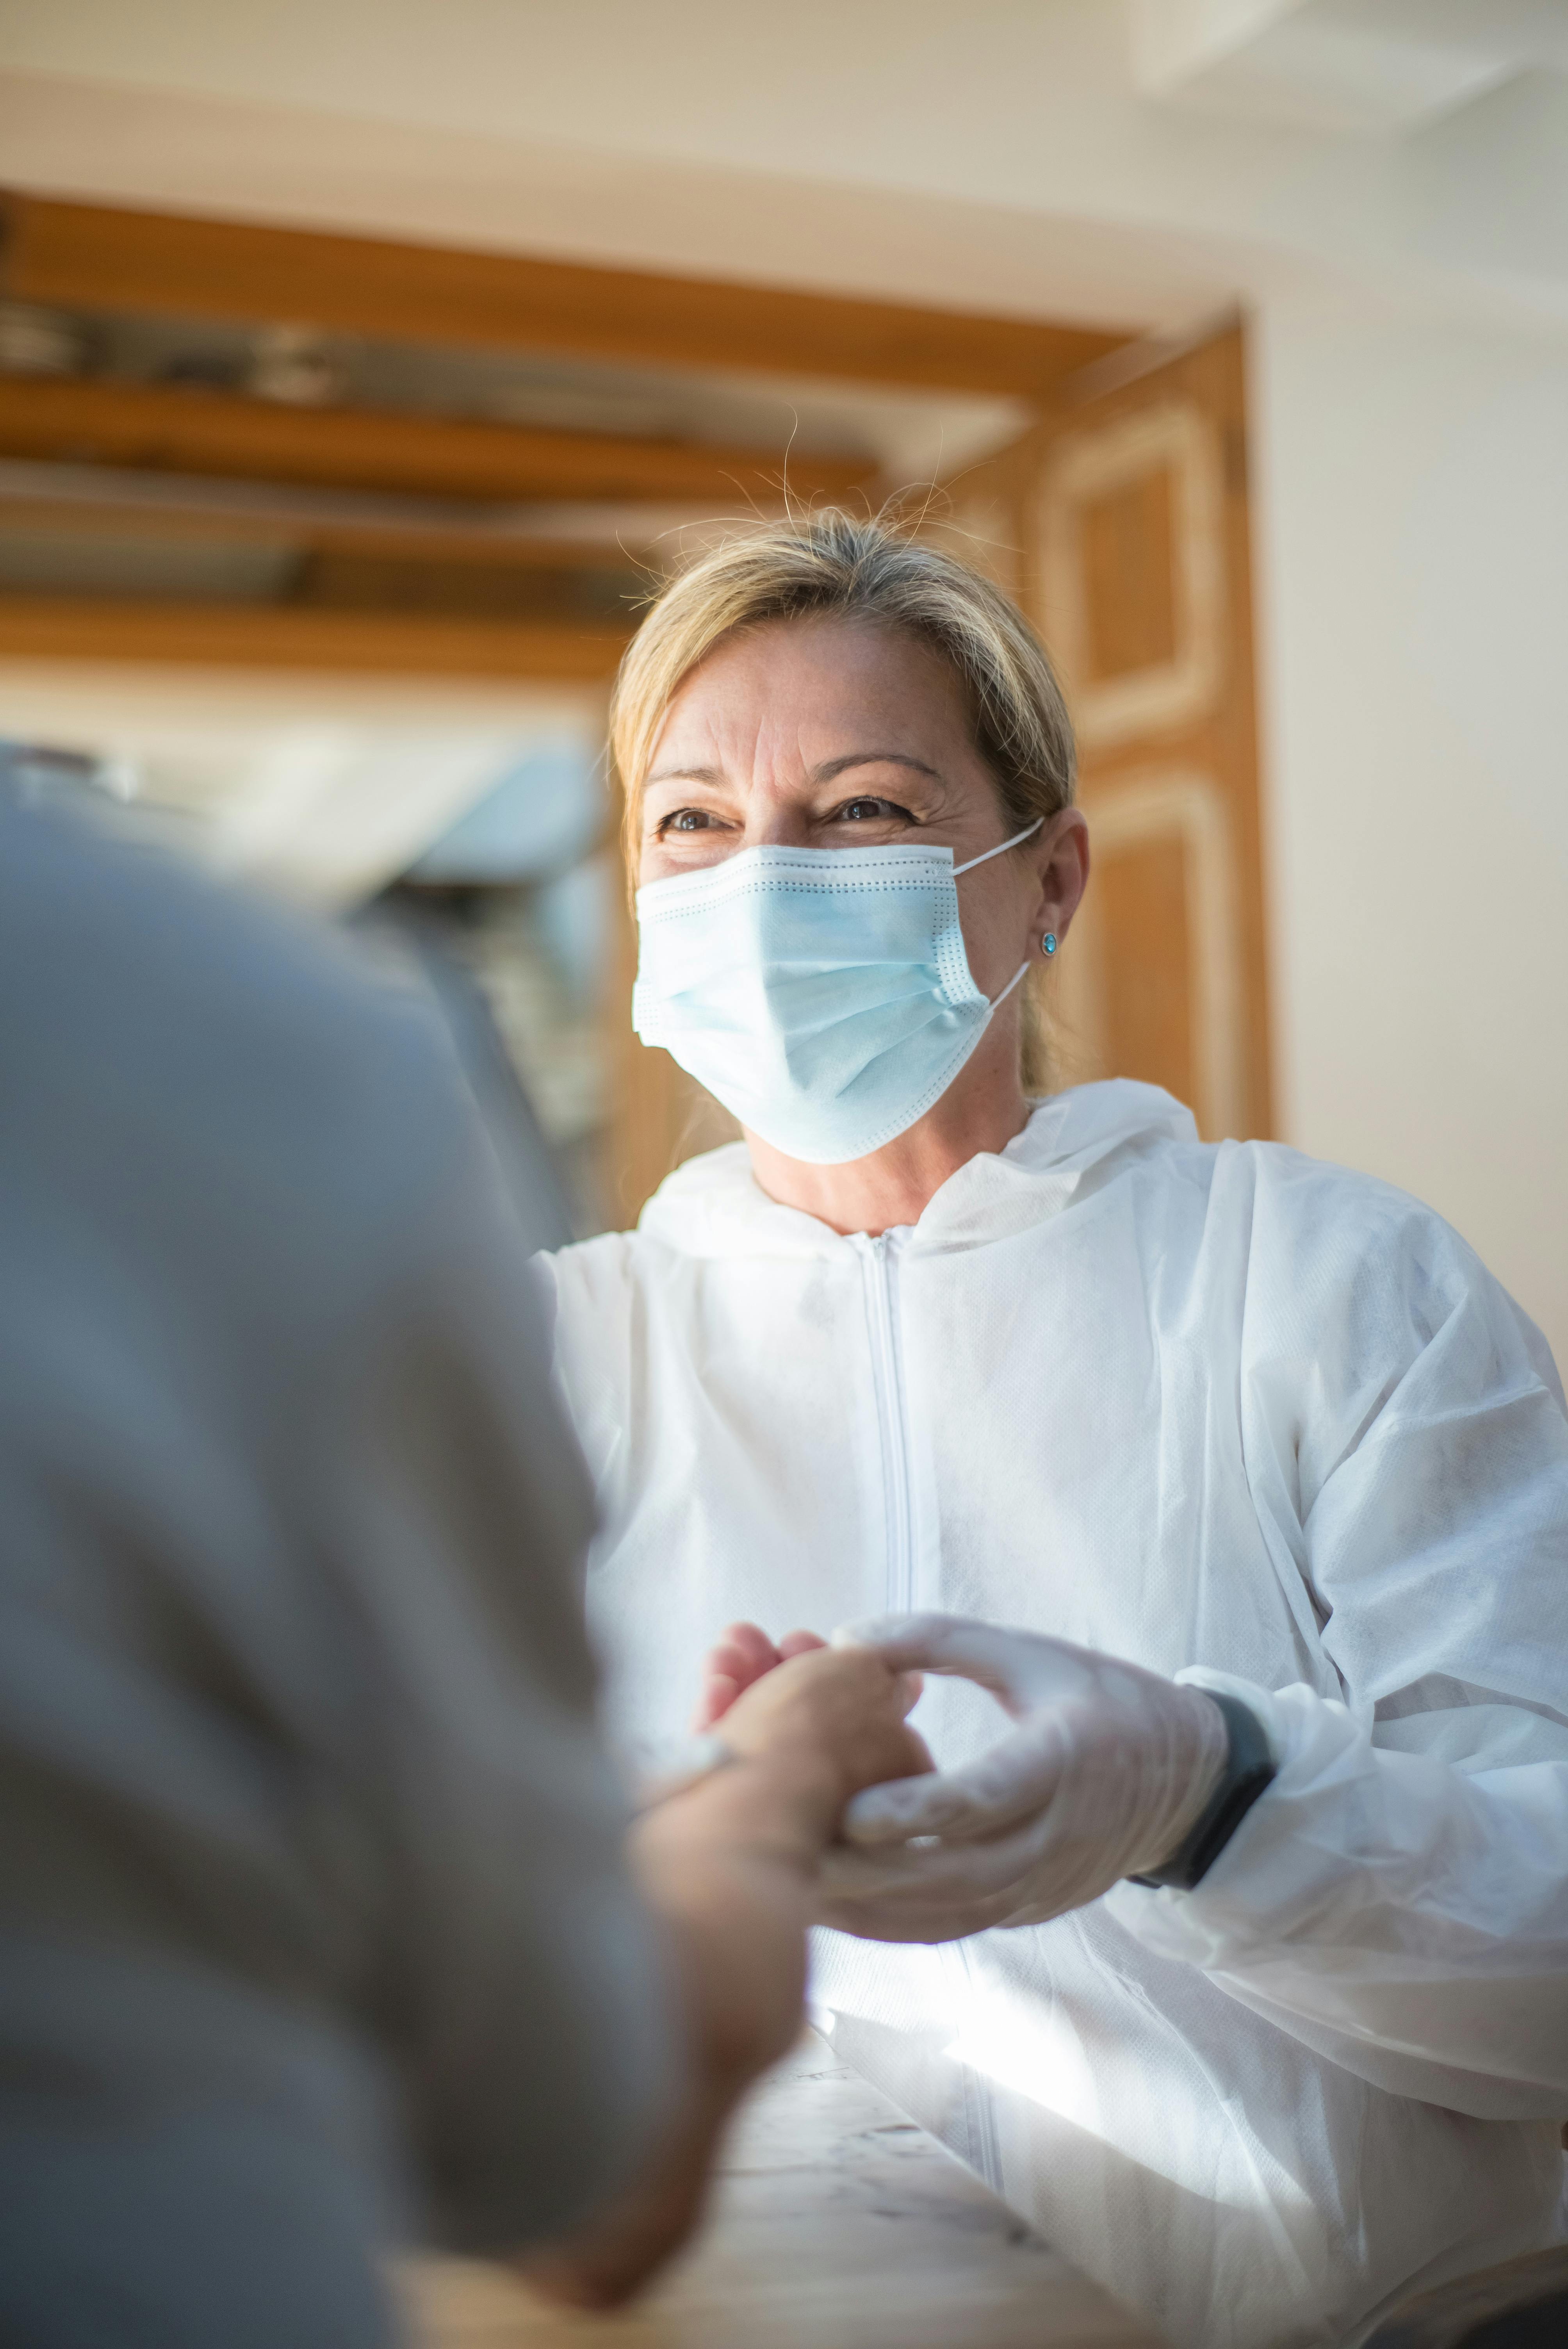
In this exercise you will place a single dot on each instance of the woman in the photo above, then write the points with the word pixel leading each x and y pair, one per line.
pixel 919 1343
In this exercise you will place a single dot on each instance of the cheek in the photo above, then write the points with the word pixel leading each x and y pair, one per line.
pixel 995 936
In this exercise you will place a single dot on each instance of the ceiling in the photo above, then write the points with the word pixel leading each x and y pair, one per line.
pixel 1111 162
pixel 246 444
pixel 1355 67
pixel 227 447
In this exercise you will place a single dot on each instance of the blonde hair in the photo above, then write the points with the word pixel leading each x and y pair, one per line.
pixel 829 565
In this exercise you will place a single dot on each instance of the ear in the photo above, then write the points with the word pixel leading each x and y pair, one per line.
pixel 1063 861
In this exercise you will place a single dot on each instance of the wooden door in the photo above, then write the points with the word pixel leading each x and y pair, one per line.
pixel 1121 523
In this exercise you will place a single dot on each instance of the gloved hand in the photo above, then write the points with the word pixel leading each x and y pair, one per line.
pixel 1108 1770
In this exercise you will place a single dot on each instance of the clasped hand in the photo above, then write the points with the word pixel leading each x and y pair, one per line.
pixel 1106 1770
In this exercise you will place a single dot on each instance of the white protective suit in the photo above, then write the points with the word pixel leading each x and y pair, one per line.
pixel 1214 1407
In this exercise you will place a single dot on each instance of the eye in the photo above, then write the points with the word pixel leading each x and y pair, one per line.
pixel 872 810
pixel 685 820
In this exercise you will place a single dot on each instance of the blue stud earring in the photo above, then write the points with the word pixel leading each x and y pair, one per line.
pixel 1049 943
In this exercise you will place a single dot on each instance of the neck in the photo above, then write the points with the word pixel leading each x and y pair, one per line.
pixel 982 1110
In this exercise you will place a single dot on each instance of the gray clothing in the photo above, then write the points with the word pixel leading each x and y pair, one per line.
pixel 314 1923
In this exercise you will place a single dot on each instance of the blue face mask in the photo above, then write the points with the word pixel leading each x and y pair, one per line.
pixel 823 995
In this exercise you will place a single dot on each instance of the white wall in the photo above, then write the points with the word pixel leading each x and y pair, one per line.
pixel 993 153
pixel 1413 529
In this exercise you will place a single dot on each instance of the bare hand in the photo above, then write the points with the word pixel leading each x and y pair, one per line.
pixel 738 1659
pixel 730 1866
pixel 837 1713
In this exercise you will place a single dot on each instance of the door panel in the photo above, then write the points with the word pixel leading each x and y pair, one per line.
pixel 1145 988
pixel 1127 524
pixel 1150 984
pixel 1132 573
pixel 1125 572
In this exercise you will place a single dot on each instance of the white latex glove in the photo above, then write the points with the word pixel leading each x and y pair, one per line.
pixel 1108 1770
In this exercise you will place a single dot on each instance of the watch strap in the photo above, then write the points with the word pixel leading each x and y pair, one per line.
pixel 1250 1769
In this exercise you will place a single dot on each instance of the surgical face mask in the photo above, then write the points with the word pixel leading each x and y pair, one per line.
pixel 823 995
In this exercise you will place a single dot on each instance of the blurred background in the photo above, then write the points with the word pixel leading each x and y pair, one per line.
pixel 364 367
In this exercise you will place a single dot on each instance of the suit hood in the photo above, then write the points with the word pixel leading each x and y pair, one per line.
pixel 713 1207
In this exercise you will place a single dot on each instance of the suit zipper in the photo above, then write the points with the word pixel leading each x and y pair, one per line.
pixel 879 1258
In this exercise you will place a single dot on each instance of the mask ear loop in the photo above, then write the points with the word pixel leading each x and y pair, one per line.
pixel 985 858
pixel 996 1001
pixel 1000 850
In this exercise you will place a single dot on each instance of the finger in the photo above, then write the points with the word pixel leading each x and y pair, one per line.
pixel 1015 1780
pixel 924 1922
pixel 800 1643
pixel 972 1871
pixel 737 1661
pixel 719 1691
pixel 890 1813
pixel 751 1642
pixel 723 1665
pixel 744 1653
pixel 988 1653
pixel 912 1898
pixel 806 1643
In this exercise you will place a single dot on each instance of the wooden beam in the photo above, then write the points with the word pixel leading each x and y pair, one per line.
pixel 92 257
pixel 173 428
pixel 273 635
pixel 106 501
pixel 349 579
pixel 83 518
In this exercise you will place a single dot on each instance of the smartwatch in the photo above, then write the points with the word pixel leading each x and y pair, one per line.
pixel 1250 1769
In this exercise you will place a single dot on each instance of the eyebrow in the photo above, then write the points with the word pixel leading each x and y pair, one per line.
pixel 826 773
pixel 684 775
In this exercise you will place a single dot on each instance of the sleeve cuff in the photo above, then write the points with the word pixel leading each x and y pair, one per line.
pixel 1250 1768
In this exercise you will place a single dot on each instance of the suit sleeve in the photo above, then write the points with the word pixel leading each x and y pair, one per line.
pixel 1398 1899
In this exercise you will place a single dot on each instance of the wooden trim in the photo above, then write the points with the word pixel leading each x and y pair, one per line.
pixel 221 636
pixel 510 551
pixel 1008 511
pixel 96 257
pixel 172 429
pixel 1217 741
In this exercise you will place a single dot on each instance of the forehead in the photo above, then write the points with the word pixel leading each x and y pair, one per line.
pixel 803 681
